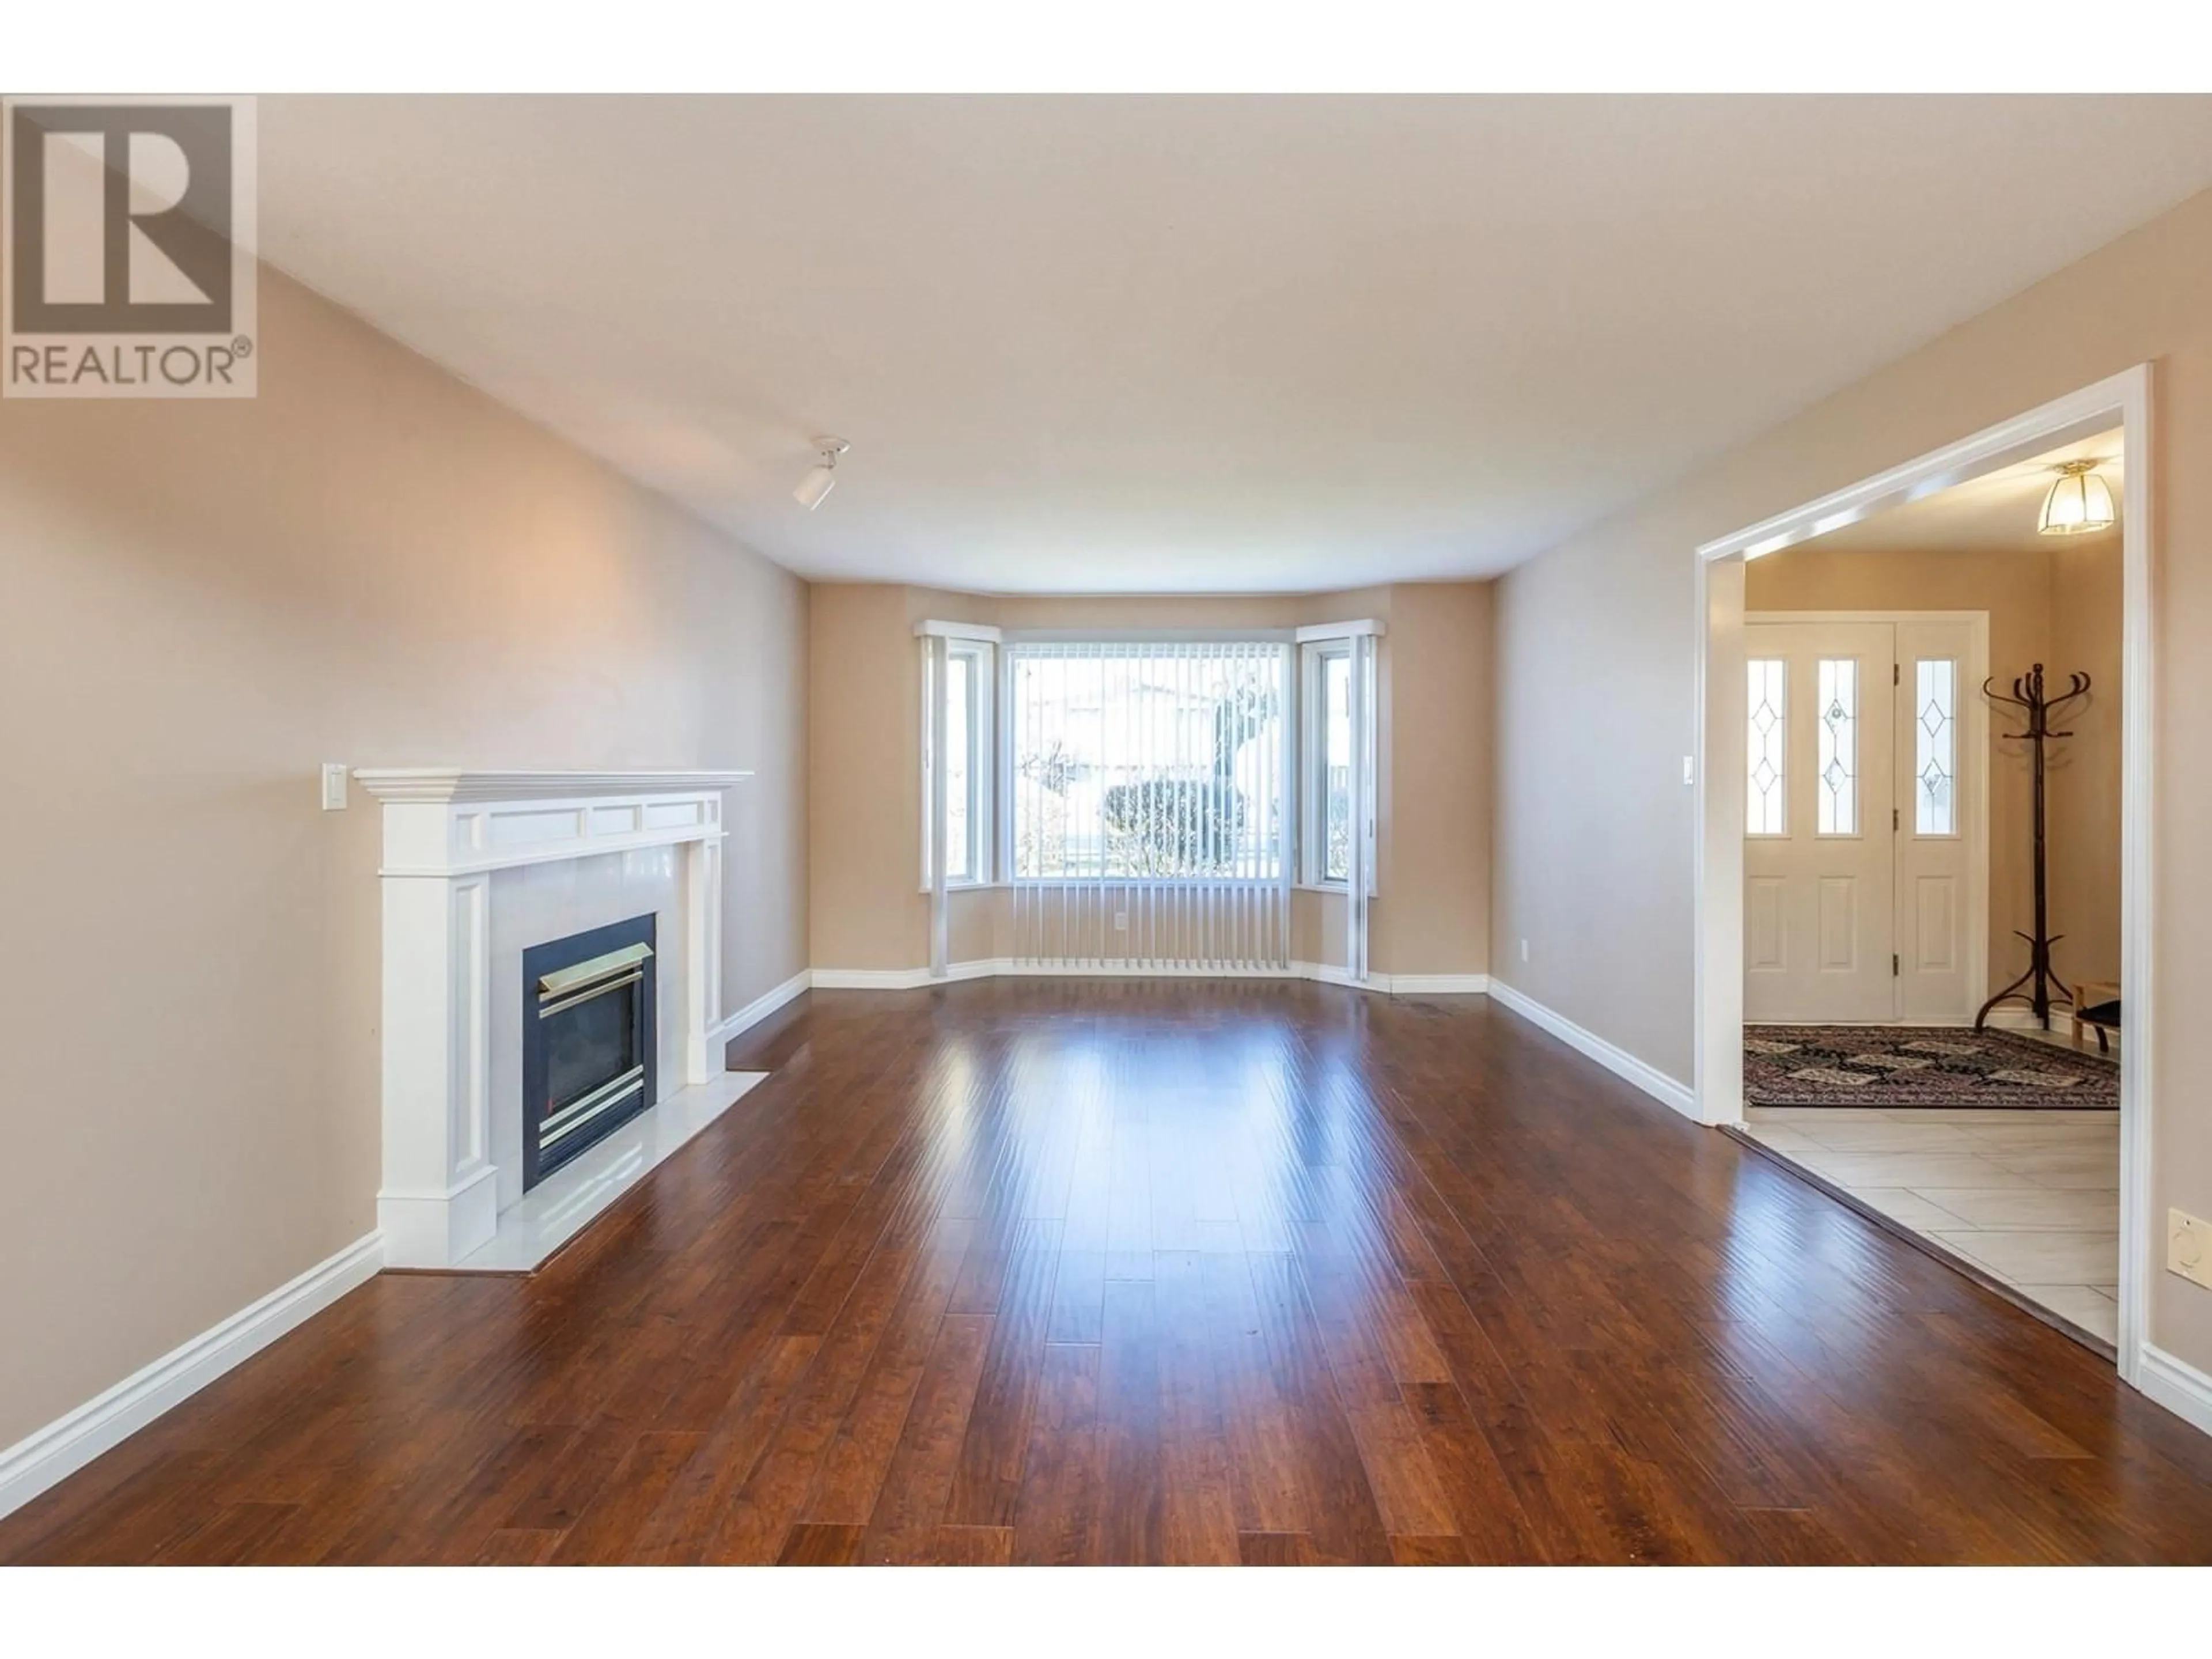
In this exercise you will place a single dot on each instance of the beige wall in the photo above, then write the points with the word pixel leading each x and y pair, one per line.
pixel 370 563
pixel 1432 856
pixel 1596 644
pixel 2084 790
pixel 2055 603
pixel 864 866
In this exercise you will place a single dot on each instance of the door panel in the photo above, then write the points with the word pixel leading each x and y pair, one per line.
pixel 1762 925
pixel 1840 930
pixel 1819 905
pixel 1931 935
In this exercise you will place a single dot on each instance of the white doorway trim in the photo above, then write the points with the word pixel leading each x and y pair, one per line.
pixel 1718 738
pixel 1974 739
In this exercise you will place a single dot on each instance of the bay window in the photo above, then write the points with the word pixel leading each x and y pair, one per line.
pixel 1151 801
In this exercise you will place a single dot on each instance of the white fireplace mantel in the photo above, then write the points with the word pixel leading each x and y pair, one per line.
pixel 446 831
pixel 439 783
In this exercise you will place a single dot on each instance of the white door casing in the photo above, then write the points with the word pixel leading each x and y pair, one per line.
pixel 1717 770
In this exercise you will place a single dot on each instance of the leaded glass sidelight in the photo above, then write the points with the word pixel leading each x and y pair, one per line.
pixel 1766 784
pixel 1837 794
pixel 1935 740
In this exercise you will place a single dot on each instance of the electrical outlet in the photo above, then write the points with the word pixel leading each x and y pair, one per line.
pixel 2188 1247
pixel 1121 921
pixel 334 786
pixel 1524 950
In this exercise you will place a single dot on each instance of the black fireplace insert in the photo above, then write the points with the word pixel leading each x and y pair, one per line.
pixel 588 1042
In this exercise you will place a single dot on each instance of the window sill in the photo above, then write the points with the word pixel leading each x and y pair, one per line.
pixel 1078 883
pixel 1084 883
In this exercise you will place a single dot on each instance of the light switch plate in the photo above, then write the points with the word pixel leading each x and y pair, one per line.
pixel 1689 768
pixel 334 786
pixel 2188 1247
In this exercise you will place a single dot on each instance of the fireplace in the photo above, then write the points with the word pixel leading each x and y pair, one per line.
pixel 476 867
pixel 588 1043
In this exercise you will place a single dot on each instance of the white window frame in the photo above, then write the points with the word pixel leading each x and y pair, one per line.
pixel 1293 737
pixel 991 742
pixel 979 649
pixel 981 660
pixel 1820 728
pixel 1957 722
pixel 1313 762
pixel 1784 777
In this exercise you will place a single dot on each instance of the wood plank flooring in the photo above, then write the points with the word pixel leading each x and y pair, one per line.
pixel 1122 1271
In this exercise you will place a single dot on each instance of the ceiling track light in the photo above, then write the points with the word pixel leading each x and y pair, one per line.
pixel 2080 503
pixel 822 477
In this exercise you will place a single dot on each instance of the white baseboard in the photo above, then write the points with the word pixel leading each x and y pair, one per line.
pixel 1398 985
pixel 2175 1384
pixel 47 1456
pixel 2005 1019
pixel 868 979
pixel 1438 985
pixel 2023 1019
pixel 756 1011
pixel 910 979
pixel 901 979
pixel 1618 1061
pixel 1016 968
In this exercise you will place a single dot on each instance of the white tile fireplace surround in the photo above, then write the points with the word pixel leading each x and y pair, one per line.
pixel 477 866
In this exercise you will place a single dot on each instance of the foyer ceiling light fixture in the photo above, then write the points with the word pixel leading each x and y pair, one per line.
pixel 2079 502
pixel 822 477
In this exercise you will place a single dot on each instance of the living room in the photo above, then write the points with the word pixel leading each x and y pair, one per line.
pixel 1013 830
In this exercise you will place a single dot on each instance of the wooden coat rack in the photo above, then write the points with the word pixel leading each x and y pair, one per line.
pixel 2040 986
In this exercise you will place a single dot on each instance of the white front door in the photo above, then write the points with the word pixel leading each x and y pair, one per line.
pixel 1820 862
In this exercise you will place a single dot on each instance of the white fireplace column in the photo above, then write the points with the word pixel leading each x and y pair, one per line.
pixel 445 832
pixel 702 964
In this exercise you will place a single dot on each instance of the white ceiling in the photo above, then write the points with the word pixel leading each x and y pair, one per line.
pixel 1217 345
pixel 1995 513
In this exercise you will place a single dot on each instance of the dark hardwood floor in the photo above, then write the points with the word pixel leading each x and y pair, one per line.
pixel 1119 1270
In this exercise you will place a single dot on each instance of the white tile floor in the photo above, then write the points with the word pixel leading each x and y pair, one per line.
pixel 2047 1221
pixel 2032 1198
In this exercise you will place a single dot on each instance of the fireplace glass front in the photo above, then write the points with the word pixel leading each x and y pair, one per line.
pixel 588 1041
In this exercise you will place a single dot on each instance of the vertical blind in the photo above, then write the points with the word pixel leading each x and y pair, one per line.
pixel 1150 817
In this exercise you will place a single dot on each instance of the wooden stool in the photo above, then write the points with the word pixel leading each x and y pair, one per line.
pixel 2093 994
